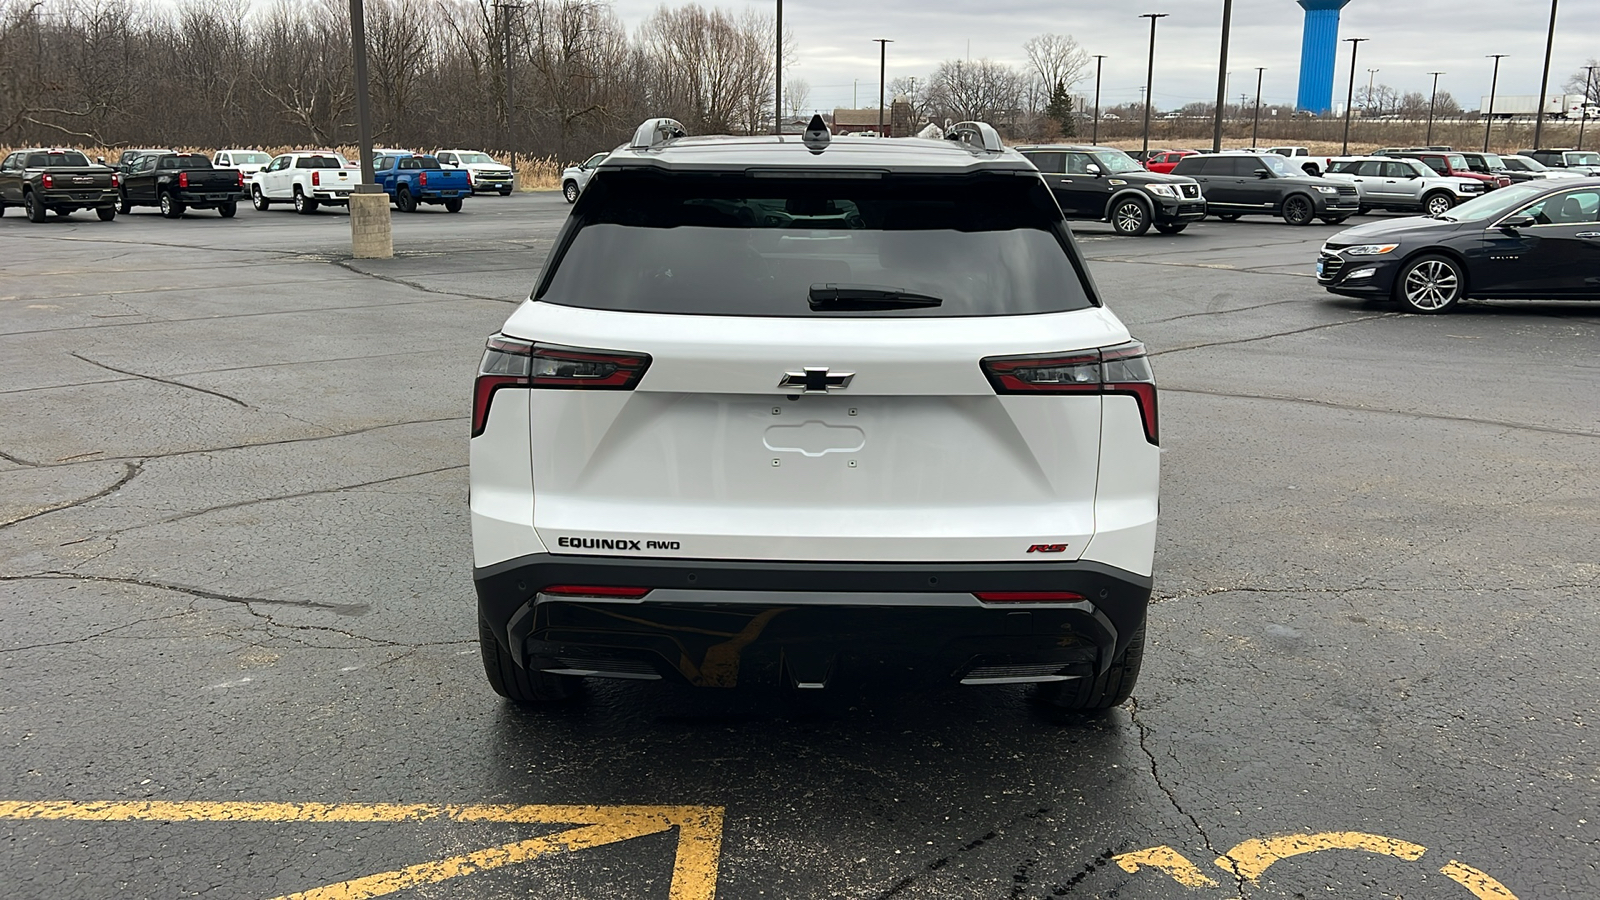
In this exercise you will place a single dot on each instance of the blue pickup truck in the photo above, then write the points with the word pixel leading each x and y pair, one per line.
pixel 411 180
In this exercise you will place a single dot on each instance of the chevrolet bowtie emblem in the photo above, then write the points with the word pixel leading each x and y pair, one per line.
pixel 816 379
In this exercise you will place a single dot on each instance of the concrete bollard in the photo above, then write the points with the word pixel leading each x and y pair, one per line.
pixel 371 236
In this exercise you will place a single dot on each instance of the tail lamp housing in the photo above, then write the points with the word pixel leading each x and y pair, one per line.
pixel 183 179
pixel 510 362
pixel 316 178
pixel 424 179
pixel 47 180
pixel 1120 369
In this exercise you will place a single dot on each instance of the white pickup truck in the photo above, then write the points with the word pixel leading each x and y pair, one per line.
pixel 247 161
pixel 482 171
pixel 307 179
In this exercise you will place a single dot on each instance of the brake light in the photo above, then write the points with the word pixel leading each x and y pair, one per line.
pixel 1028 596
pixel 424 179
pixel 240 173
pixel 48 180
pixel 316 177
pixel 116 180
pixel 1123 369
pixel 512 362
pixel 183 179
pixel 585 590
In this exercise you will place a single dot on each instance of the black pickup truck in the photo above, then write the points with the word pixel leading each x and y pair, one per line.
pixel 177 182
pixel 42 181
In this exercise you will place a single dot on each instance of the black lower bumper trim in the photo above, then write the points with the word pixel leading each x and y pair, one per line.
pixel 703 641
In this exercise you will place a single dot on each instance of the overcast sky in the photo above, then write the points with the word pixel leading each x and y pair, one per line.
pixel 1409 39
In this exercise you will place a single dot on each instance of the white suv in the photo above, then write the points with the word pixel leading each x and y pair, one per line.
pixel 781 409
pixel 1402 185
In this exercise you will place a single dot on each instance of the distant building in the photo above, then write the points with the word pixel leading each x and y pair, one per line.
pixel 899 120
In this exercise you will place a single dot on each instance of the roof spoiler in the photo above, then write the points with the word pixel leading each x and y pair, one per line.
pixel 976 135
pixel 656 133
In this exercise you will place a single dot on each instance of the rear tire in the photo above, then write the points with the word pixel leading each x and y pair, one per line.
pixel 170 207
pixel 105 213
pixel 505 192
pixel 453 205
pixel 1297 210
pixel 513 682
pixel 123 206
pixel 35 209
pixel 1095 693
pixel 404 200
pixel 229 209
pixel 258 199
pixel 1229 217
pixel 570 191
pixel 303 205
pixel 1363 210
pixel 1130 216
pixel 1335 220
pixel 1171 227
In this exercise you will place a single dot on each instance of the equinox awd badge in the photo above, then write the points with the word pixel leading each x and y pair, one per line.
pixel 816 378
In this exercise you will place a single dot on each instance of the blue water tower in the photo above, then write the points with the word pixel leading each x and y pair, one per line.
pixel 1318 48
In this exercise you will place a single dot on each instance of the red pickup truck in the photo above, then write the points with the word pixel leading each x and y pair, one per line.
pixel 1164 160
pixel 1450 163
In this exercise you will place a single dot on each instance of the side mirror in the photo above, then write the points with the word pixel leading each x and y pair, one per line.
pixel 1092 169
pixel 1263 173
pixel 1512 223
pixel 100 160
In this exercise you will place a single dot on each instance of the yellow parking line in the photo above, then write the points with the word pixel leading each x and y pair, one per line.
pixel 1252 858
pixel 1479 883
pixel 1167 860
pixel 694 875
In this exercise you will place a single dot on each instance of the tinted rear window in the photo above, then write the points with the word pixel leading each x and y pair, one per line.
pixel 319 162
pixel 185 162
pixel 986 245
pixel 56 160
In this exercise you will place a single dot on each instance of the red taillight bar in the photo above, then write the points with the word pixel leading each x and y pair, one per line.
pixel 588 590
pixel 1028 596
pixel 316 178
pixel 47 180
pixel 513 362
pixel 1121 369
pixel 183 179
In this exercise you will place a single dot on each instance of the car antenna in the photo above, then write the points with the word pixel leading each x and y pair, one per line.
pixel 817 136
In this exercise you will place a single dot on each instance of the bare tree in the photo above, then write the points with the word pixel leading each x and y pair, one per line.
pixel 1053 59
pixel 977 89
pixel 797 96
pixel 1580 82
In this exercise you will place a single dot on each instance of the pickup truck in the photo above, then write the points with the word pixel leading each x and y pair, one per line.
pixel 177 182
pixel 411 179
pixel 247 161
pixel 484 173
pixel 1402 185
pixel 60 181
pixel 308 179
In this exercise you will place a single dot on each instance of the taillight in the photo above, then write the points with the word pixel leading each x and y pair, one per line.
pixel 1028 596
pixel 116 180
pixel 586 590
pixel 47 180
pixel 240 173
pixel 511 362
pixel 424 179
pixel 316 177
pixel 1123 369
pixel 183 179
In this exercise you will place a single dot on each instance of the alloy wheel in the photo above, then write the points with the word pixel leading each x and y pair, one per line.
pixel 1432 285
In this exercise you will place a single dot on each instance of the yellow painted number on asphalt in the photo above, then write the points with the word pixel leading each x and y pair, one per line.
pixel 1251 859
pixel 694 871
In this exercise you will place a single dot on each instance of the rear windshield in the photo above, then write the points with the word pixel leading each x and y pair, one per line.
pixel 56 160
pixel 251 159
pixel 984 245
pixel 319 162
pixel 185 162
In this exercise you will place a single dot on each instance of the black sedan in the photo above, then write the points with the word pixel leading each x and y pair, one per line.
pixel 1535 240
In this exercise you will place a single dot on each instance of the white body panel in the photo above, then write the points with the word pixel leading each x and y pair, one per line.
pixel 917 460
pixel 492 174
pixel 279 183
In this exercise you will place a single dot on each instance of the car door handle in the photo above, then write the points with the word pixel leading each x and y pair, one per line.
pixel 1589 234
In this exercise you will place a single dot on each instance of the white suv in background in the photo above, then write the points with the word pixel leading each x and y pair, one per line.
pixel 483 172
pixel 779 410
pixel 1402 185
pixel 575 178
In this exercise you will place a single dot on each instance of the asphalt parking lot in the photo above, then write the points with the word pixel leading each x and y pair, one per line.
pixel 237 643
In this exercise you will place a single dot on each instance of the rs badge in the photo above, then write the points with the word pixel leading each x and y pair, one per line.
pixel 1048 548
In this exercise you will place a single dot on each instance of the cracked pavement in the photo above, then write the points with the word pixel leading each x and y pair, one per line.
pixel 235 565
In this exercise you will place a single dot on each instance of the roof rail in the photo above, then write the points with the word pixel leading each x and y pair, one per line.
pixel 977 135
pixel 656 132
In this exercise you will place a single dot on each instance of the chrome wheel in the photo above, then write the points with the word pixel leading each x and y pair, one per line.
pixel 1432 285
pixel 1439 204
pixel 1130 218
pixel 571 191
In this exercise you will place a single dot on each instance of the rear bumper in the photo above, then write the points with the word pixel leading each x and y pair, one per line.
pixel 82 197
pixel 202 199
pixel 717 623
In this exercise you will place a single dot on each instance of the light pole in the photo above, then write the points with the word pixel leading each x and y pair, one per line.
pixel 883 60
pixel 1255 127
pixel 1350 94
pixel 1150 76
pixel 1488 117
pixel 1583 115
pixel 1099 60
pixel 1431 98
pixel 504 10
pixel 370 232
pixel 1222 77
pixel 1544 79
pixel 777 75
pixel 1366 108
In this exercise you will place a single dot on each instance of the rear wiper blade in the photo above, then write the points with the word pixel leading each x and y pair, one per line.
pixel 867 297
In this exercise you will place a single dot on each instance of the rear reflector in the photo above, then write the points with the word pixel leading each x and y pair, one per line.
pixel 512 362
pixel 1122 369
pixel 1028 596
pixel 589 590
